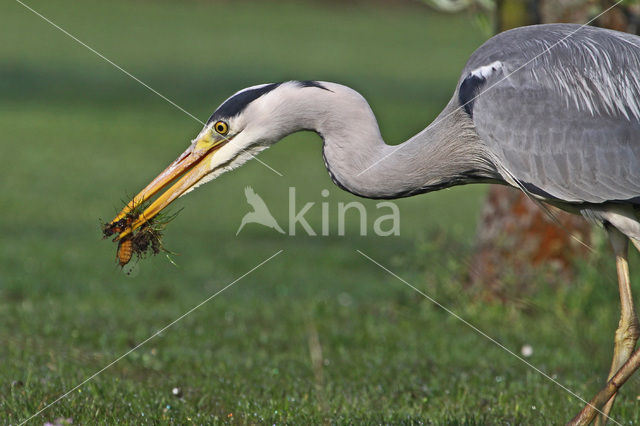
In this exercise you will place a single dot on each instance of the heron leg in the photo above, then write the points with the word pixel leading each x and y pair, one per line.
pixel 628 328
pixel 586 415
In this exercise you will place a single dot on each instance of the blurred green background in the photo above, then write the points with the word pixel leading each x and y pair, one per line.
pixel 319 334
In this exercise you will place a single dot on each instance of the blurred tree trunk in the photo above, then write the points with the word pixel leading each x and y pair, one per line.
pixel 516 13
pixel 515 236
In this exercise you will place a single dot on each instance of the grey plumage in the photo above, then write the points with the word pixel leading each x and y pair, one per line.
pixel 567 122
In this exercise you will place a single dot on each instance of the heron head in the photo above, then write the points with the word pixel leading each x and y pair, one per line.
pixel 243 125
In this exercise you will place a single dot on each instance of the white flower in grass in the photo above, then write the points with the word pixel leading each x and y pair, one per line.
pixel 526 351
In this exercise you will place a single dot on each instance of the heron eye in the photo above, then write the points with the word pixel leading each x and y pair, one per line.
pixel 221 127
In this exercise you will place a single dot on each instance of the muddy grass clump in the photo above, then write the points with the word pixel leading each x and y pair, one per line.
pixel 145 240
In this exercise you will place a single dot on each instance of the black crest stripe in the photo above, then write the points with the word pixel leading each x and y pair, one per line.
pixel 235 104
pixel 311 83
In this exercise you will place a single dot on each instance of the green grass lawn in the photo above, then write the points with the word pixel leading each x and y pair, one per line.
pixel 317 335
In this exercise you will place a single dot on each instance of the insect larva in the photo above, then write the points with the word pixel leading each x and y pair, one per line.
pixel 125 251
pixel 118 226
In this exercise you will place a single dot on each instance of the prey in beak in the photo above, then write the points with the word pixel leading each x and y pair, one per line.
pixel 187 170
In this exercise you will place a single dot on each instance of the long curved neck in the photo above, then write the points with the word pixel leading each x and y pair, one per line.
pixel 446 153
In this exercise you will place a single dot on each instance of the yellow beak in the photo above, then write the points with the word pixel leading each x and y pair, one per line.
pixel 192 165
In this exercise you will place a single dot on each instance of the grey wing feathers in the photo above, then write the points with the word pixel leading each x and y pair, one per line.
pixel 560 111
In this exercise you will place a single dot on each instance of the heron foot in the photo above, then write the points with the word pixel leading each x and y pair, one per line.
pixel 625 342
pixel 588 413
pixel 625 360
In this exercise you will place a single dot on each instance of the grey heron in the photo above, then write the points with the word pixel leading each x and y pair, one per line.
pixel 551 109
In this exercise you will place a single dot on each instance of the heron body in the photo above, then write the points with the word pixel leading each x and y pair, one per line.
pixel 551 109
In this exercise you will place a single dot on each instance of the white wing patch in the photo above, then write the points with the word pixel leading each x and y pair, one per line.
pixel 485 71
